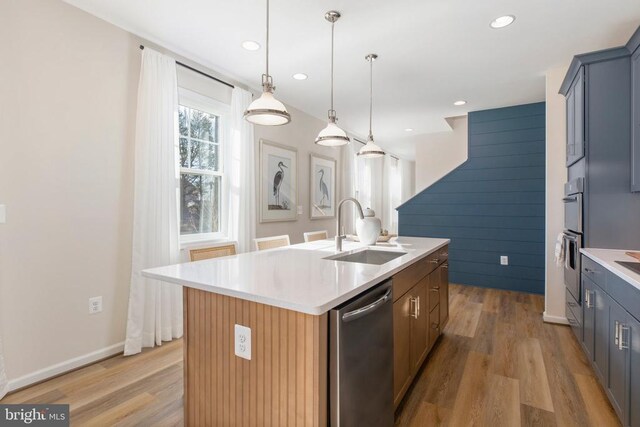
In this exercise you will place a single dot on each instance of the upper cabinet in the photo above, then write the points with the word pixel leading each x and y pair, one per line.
pixel 635 121
pixel 575 119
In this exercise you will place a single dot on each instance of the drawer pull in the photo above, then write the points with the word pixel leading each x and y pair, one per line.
pixel 572 322
pixel 434 261
pixel 445 265
pixel 623 345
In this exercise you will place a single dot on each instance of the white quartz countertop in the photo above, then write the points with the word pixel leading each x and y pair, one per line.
pixel 296 277
pixel 608 257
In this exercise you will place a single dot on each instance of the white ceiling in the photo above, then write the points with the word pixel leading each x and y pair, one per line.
pixel 431 52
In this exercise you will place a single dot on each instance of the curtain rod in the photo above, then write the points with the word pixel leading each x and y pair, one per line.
pixel 200 72
pixel 364 143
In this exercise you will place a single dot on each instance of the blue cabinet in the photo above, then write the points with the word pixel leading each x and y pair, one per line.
pixel 575 119
pixel 635 121
pixel 611 337
pixel 596 329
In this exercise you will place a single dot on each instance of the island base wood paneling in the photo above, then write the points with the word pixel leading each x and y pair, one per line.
pixel 284 383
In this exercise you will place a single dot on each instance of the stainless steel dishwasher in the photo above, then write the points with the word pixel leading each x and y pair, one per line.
pixel 361 360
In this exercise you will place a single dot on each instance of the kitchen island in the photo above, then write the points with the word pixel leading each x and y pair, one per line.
pixel 284 295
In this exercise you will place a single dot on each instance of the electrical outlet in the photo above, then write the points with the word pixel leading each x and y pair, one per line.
pixel 300 211
pixel 95 305
pixel 504 260
pixel 243 342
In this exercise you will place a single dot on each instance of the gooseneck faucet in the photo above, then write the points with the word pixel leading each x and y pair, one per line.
pixel 339 236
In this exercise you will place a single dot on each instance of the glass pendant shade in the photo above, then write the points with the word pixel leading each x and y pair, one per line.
pixel 332 136
pixel 267 111
pixel 370 150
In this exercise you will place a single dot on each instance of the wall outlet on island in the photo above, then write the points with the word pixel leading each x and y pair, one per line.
pixel 504 260
pixel 95 305
pixel 243 342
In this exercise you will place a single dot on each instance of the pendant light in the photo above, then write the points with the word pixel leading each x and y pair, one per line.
pixel 332 135
pixel 370 149
pixel 267 110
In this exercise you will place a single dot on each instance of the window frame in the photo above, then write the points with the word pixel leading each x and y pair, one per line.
pixel 196 101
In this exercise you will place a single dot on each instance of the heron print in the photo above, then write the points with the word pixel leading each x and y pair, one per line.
pixel 279 171
pixel 323 187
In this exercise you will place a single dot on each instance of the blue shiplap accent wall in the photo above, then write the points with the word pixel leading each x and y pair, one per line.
pixel 491 205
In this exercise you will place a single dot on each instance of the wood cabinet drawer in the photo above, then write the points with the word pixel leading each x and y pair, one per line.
pixel 434 325
pixel 434 290
pixel 594 271
pixel 407 278
pixel 443 254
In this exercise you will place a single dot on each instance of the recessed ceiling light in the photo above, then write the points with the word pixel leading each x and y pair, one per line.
pixel 502 21
pixel 250 45
pixel 408 130
pixel 461 102
pixel 300 76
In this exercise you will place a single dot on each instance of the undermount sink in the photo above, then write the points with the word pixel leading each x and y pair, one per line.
pixel 368 256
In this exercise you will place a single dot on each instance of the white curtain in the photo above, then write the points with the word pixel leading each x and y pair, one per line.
pixel 155 308
pixel 391 193
pixel 240 166
pixel 4 384
pixel 348 183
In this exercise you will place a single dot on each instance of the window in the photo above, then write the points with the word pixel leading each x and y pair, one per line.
pixel 201 127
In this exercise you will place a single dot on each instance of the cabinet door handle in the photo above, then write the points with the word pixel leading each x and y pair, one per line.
pixel 622 344
pixel 445 265
pixel 435 289
pixel 435 261
pixel 415 307
pixel 587 298
pixel 617 334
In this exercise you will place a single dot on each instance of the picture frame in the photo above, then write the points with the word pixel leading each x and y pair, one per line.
pixel 323 177
pixel 278 182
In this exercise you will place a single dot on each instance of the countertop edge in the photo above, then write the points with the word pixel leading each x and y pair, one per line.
pixel 618 270
pixel 307 309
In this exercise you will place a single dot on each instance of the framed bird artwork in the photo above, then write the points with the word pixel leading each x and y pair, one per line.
pixel 322 191
pixel 278 182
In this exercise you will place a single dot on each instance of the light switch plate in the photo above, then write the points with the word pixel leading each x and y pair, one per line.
pixel 504 260
pixel 3 214
pixel 243 342
pixel 95 305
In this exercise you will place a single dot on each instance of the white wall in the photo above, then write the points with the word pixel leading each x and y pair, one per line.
pixel 68 88
pixel 437 154
pixel 66 175
pixel 556 176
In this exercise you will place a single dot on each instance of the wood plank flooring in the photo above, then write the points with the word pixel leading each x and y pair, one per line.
pixel 497 364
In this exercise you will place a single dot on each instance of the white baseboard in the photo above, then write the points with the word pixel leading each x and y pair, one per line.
pixel 66 366
pixel 561 320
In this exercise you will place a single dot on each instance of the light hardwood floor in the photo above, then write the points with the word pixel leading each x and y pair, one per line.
pixel 497 364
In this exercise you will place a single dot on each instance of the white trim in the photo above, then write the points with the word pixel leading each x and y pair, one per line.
pixel 560 320
pixel 66 366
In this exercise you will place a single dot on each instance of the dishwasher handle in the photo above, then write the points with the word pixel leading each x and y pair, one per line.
pixel 363 311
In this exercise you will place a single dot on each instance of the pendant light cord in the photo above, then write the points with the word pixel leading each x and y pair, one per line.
pixel 332 26
pixel 370 97
pixel 267 49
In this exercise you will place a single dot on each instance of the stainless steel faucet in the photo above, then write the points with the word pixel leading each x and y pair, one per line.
pixel 339 235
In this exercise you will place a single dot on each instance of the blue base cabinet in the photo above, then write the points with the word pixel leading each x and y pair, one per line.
pixel 611 337
pixel 635 121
